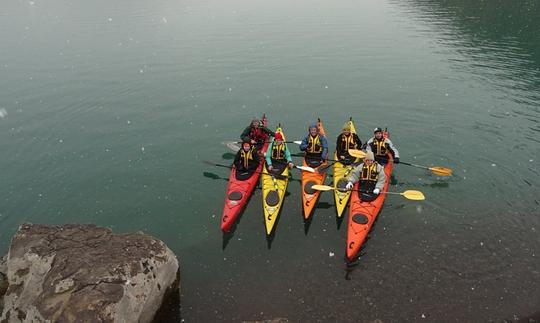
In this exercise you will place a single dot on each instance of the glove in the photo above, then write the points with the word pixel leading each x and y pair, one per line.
pixel 376 191
pixel 291 165
pixel 396 160
pixel 349 186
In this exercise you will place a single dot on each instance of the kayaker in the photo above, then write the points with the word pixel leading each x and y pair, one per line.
pixel 278 155
pixel 246 161
pixel 381 146
pixel 256 133
pixel 370 176
pixel 345 141
pixel 315 145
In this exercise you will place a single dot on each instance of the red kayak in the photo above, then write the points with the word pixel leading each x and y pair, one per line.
pixel 239 191
pixel 362 215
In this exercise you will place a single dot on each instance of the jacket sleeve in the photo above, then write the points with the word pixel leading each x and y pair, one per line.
pixel 269 154
pixel 245 134
pixel 358 141
pixel 392 148
pixel 268 131
pixel 368 145
pixel 236 158
pixel 304 144
pixel 288 154
pixel 355 173
pixel 324 144
pixel 382 177
pixel 339 152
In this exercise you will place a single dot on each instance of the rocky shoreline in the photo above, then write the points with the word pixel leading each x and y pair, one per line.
pixel 82 272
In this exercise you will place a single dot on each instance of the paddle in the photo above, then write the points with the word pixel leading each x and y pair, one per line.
pixel 437 170
pixel 357 153
pixel 230 167
pixel 227 143
pixel 302 155
pixel 306 168
pixel 409 194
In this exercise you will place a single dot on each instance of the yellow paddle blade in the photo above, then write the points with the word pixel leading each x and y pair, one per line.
pixel 441 171
pixel 357 153
pixel 413 195
pixel 322 187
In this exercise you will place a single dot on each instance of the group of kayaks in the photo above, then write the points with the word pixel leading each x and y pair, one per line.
pixel 362 214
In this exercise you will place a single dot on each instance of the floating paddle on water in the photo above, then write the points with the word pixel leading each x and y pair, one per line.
pixel 409 194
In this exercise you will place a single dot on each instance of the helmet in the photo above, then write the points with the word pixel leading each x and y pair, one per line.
pixel 278 136
pixel 378 129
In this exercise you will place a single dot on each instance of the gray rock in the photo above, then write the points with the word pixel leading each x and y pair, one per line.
pixel 85 273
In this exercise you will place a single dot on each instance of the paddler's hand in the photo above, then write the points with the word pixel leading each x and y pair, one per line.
pixel 291 165
pixel 341 157
pixel 376 191
pixel 349 186
pixel 270 168
pixel 253 142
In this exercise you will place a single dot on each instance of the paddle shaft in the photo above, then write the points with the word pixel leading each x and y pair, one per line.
pixel 443 171
pixel 255 172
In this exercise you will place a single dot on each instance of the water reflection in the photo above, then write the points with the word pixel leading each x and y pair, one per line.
pixel 495 41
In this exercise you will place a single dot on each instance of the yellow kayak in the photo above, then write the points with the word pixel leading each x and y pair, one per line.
pixel 341 173
pixel 273 191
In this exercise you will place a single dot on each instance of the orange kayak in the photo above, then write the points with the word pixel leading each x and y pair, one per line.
pixel 362 215
pixel 309 195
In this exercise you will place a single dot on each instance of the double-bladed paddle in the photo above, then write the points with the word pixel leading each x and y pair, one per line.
pixel 408 194
pixel 437 170
pixel 305 168
pixel 230 167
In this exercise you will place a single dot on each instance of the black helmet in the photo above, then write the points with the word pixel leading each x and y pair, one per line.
pixel 378 129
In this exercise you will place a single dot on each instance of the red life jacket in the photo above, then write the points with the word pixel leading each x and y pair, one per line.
pixel 257 134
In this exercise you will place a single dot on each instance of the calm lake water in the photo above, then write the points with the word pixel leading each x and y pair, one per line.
pixel 108 108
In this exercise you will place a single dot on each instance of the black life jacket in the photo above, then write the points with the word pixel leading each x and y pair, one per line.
pixel 246 157
pixel 314 145
pixel 379 147
pixel 369 173
pixel 278 151
pixel 348 142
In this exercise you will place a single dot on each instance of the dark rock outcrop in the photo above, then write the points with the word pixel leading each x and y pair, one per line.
pixel 85 273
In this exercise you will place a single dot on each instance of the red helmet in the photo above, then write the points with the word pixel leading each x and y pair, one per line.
pixel 278 136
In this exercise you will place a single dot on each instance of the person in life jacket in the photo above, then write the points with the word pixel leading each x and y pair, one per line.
pixel 256 133
pixel 246 161
pixel 381 146
pixel 370 176
pixel 278 156
pixel 345 141
pixel 316 147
